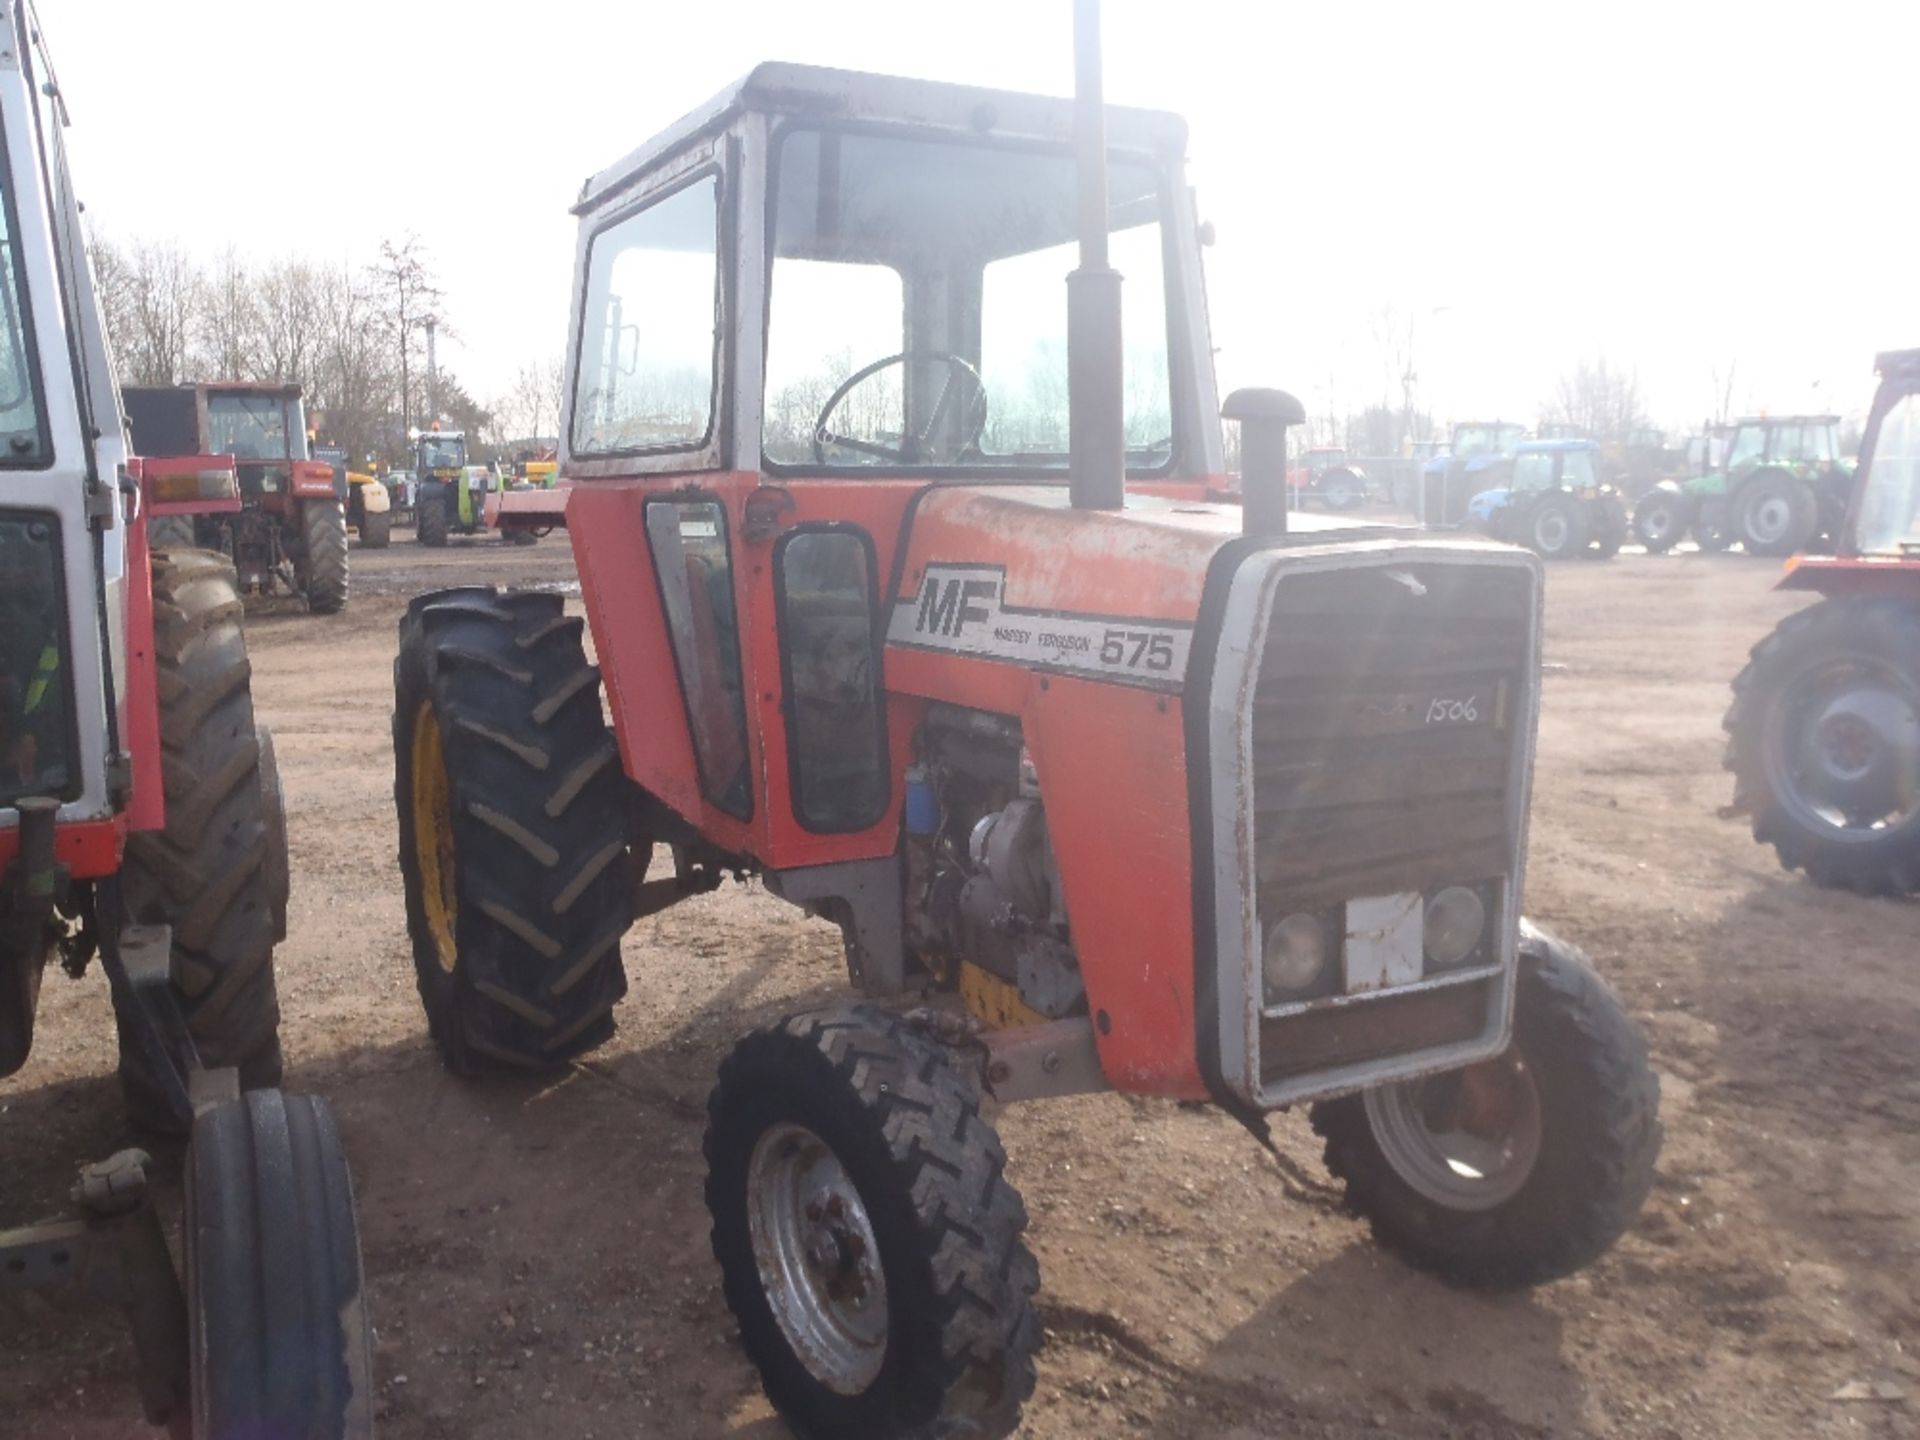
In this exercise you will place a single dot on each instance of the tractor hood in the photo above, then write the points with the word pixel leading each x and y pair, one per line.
pixel 1015 573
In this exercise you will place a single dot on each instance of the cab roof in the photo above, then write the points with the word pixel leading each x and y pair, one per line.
pixel 819 93
pixel 1553 447
pixel 1788 420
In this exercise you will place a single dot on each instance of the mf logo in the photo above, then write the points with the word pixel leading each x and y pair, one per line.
pixel 948 604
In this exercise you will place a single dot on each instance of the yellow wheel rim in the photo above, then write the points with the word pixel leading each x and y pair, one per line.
pixel 433 834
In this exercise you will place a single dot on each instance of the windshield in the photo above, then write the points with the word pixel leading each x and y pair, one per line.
pixel 442 452
pixel 918 305
pixel 1890 505
pixel 1749 444
pixel 255 427
pixel 1533 470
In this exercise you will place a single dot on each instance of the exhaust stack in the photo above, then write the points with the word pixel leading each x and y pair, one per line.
pixel 1097 474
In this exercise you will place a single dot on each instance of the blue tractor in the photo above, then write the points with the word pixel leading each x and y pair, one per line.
pixel 1551 500
pixel 1482 451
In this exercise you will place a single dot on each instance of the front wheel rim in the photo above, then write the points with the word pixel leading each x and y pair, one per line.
pixel 818 1258
pixel 1467 1140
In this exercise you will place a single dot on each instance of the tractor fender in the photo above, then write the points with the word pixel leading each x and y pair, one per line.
pixel 374 498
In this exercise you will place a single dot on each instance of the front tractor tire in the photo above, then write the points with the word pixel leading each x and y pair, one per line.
pixel 513 842
pixel 433 519
pixel 1520 1169
pixel 1824 744
pixel 1661 519
pixel 213 874
pixel 869 1244
pixel 323 539
pixel 279 1340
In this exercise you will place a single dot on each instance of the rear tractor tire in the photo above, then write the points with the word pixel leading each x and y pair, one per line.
pixel 1775 514
pixel 1341 489
pixel 214 873
pixel 869 1244
pixel 513 839
pixel 1824 744
pixel 323 533
pixel 1520 1169
pixel 277 1315
pixel 1607 530
pixel 1555 528
pixel 170 532
pixel 376 530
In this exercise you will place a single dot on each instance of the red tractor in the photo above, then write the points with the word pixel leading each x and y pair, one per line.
pixel 142 831
pixel 1106 785
pixel 1825 723
pixel 1327 475
pixel 287 527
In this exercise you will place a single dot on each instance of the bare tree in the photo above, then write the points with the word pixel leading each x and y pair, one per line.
pixel 229 322
pixel 410 295
pixel 1597 400
pixel 150 296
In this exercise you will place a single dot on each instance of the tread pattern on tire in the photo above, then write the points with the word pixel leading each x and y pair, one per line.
pixel 209 873
pixel 1574 1208
pixel 170 532
pixel 965 1329
pixel 278 1320
pixel 433 520
pixel 541 858
pixel 323 526
pixel 376 530
pixel 1889 867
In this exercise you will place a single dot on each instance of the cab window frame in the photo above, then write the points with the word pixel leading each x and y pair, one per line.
pixel 36 395
pixel 714 160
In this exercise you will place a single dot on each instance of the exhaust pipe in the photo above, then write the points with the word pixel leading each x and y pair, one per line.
pixel 1265 416
pixel 1097 473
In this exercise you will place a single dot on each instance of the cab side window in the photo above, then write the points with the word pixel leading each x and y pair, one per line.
pixel 688 539
pixel 830 655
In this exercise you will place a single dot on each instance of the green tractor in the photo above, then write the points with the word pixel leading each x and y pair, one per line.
pixel 1783 486
pixel 450 496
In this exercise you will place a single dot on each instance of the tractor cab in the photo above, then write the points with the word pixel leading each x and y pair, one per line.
pixel 1553 501
pixel 1477 461
pixel 1886 510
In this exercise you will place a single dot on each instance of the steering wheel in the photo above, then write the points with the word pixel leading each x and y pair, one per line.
pixel 912 448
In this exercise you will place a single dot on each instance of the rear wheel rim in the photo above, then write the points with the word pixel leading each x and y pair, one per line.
pixel 1467 1140
pixel 1770 519
pixel 1550 531
pixel 1843 749
pixel 433 835
pixel 819 1261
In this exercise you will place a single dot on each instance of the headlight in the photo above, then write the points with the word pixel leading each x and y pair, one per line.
pixel 1456 920
pixel 1294 957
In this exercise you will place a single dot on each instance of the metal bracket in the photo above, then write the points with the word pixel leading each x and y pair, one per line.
pixel 102 509
pixel 1044 1062
pixel 119 1255
pixel 864 898
pixel 139 962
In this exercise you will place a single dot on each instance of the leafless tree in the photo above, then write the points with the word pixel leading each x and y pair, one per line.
pixel 1597 400
pixel 229 322
pixel 409 295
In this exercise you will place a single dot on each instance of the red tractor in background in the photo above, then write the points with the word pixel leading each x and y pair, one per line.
pixel 289 530
pixel 1326 474
pixel 142 830
pixel 1107 785
pixel 1824 729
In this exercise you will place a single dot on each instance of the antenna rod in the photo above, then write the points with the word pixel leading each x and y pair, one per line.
pixel 1097 474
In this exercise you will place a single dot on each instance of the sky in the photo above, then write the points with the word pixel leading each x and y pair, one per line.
pixel 1687 189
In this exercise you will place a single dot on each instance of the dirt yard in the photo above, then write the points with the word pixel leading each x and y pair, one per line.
pixel 537 1252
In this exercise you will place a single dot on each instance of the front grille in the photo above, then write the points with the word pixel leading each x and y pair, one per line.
pixel 1387 709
